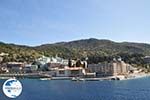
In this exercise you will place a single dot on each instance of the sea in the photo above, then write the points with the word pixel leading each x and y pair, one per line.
pixel 35 89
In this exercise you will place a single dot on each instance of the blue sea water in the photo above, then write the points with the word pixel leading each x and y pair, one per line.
pixel 34 89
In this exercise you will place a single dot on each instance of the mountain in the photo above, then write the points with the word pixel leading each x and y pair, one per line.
pixel 87 47
pixel 77 49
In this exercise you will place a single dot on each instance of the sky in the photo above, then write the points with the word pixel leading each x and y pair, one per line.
pixel 35 22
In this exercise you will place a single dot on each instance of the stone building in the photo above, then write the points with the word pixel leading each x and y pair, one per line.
pixel 120 67
pixel 116 67
pixel 69 72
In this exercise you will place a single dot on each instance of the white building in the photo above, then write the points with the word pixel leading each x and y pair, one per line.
pixel 4 54
pixel 43 60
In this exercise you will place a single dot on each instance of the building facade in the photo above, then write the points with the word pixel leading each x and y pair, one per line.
pixel 69 72
pixel 114 68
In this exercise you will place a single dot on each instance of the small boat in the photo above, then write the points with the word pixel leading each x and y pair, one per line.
pixel 43 79
pixel 78 79
pixel 74 79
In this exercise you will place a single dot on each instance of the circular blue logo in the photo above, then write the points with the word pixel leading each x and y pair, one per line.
pixel 12 88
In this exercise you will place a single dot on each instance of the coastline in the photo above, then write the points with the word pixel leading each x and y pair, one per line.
pixel 119 77
pixel 137 76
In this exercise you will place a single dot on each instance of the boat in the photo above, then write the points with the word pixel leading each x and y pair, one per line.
pixel 78 79
pixel 45 79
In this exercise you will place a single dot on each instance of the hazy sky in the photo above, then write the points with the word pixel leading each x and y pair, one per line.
pixel 34 22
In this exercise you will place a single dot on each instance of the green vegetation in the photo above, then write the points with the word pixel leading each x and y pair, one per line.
pixel 96 50
pixel 18 53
